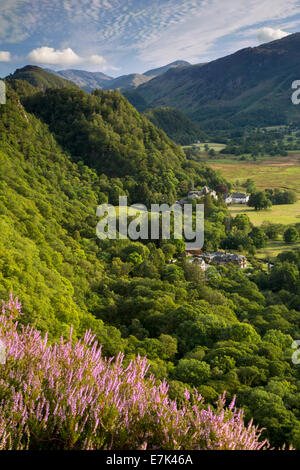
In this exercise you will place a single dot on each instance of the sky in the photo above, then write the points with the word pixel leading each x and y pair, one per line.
pixel 118 37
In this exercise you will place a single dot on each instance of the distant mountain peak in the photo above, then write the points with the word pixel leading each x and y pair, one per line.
pixel 89 81
pixel 165 68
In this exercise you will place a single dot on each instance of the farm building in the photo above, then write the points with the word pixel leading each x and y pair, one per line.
pixel 240 198
pixel 204 192
pixel 219 258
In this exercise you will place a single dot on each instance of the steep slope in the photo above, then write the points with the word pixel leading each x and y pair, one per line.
pixel 47 225
pixel 88 81
pixel 252 86
pixel 40 78
pixel 108 134
pixel 49 252
pixel 176 125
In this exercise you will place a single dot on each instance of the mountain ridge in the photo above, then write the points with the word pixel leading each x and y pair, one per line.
pixel 253 85
pixel 89 81
pixel 84 79
pixel 174 123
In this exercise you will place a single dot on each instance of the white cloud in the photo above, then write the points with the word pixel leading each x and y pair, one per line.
pixel 65 57
pixel 270 34
pixel 50 56
pixel 96 59
pixel 206 22
pixel 5 56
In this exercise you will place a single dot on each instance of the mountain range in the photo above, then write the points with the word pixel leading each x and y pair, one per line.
pixel 174 123
pixel 93 80
pixel 250 87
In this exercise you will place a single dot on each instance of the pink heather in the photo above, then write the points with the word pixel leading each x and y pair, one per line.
pixel 67 396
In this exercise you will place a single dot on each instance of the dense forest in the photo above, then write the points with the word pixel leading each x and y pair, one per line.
pixel 106 133
pixel 176 125
pixel 63 152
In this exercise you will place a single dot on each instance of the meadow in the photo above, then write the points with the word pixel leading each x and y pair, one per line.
pixel 211 145
pixel 286 214
pixel 279 172
pixel 274 247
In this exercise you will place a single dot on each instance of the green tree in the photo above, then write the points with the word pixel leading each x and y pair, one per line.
pixel 259 201
pixel 291 235
pixel 194 372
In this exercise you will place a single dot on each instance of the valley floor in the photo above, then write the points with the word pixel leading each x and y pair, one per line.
pixel 278 172
pixel 284 214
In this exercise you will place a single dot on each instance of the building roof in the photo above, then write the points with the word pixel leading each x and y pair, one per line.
pixel 239 195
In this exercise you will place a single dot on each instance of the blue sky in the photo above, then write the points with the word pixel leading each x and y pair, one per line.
pixel 125 36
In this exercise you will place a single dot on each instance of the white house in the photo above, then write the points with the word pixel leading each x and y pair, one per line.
pixel 240 198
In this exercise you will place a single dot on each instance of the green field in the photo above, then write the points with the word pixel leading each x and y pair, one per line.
pixel 273 249
pixel 285 214
pixel 280 172
pixel 211 145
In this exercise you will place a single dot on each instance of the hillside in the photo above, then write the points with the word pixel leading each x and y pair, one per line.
pixel 42 194
pixel 49 251
pixel 40 78
pixel 250 87
pixel 63 152
pixel 105 132
pixel 176 125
